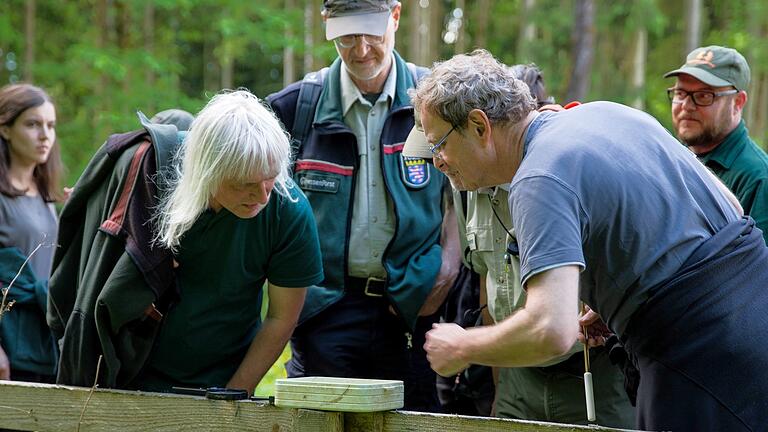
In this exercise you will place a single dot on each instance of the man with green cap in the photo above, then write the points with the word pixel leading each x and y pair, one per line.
pixel 386 268
pixel 708 99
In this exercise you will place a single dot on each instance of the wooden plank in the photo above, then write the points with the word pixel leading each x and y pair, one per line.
pixel 399 421
pixel 42 407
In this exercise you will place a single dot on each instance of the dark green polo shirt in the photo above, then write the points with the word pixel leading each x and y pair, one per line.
pixel 223 264
pixel 743 167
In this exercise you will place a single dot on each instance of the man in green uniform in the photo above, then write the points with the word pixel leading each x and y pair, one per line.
pixel 708 99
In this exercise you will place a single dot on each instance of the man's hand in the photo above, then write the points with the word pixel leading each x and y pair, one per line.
pixel 5 366
pixel 444 346
pixel 597 331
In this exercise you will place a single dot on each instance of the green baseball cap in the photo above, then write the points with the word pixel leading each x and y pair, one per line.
pixel 716 66
pixel 345 17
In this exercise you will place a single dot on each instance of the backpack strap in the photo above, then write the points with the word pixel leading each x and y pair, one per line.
pixel 309 94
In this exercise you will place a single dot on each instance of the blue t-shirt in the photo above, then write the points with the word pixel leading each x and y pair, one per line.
pixel 223 264
pixel 606 187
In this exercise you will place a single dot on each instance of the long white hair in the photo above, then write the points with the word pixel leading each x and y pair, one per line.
pixel 234 137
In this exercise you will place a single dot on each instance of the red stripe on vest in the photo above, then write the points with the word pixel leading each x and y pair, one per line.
pixel 391 149
pixel 322 166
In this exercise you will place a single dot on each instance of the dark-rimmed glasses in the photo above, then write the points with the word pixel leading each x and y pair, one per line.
pixel 435 149
pixel 700 98
pixel 349 41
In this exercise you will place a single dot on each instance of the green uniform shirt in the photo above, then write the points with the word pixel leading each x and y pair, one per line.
pixel 373 213
pixel 531 393
pixel 487 242
pixel 743 167
pixel 223 263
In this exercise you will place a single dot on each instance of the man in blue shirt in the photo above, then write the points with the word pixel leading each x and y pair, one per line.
pixel 608 208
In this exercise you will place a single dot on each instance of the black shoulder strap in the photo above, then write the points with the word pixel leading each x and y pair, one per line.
pixel 309 94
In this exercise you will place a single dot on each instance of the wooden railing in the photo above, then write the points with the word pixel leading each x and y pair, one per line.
pixel 42 407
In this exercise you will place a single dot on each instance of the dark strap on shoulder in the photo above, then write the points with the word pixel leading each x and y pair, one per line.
pixel 309 94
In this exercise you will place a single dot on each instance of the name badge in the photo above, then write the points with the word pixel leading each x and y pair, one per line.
pixel 415 171
pixel 319 183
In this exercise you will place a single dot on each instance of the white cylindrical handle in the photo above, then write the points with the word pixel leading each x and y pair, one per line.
pixel 590 396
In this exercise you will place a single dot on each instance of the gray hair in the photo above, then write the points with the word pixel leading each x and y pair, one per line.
pixel 233 138
pixel 473 81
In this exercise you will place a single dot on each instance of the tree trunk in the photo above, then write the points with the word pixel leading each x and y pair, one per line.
pixel 29 41
pixel 309 35
pixel 759 128
pixel 692 25
pixel 481 24
pixel 289 64
pixel 415 38
pixel 527 31
pixel 433 38
pixel 461 36
pixel 149 47
pixel 756 111
pixel 100 83
pixel 638 68
pixel 583 38
pixel 125 33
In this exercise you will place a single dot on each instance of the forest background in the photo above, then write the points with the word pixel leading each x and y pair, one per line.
pixel 102 60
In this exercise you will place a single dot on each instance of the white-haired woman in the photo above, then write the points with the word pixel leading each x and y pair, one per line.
pixel 233 219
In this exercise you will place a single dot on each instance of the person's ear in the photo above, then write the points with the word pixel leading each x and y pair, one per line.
pixel 4 132
pixel 740 100
pixel 396 15
pixel 478 123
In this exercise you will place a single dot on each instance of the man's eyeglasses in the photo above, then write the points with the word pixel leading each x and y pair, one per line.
pixel 435 149
pixel 349 41
pixel 700 97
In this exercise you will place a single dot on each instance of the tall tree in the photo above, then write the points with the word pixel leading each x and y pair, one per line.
pixel 527 31
pixel 457 17
pixel 638 67
pixel 482 11
pixel 148 26
pixel 289 63
pixel 583 38
pixel 29 41
pixel 756 115
pixel 309 35
pixel 692 25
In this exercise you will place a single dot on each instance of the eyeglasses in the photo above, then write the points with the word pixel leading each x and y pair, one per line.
pixel 700 98
pixel 435 149
pixel 349 41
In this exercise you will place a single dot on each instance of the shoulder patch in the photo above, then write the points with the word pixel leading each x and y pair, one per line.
pixel 415 171
pixel 319 182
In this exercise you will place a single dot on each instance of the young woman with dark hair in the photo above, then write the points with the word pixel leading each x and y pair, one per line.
pixel 30 168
